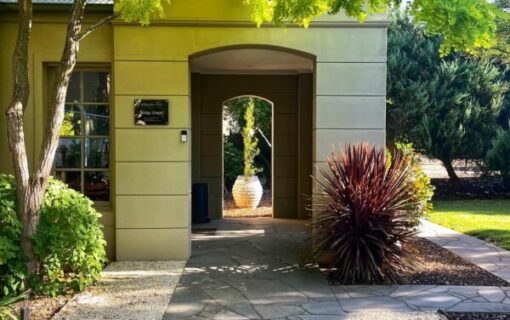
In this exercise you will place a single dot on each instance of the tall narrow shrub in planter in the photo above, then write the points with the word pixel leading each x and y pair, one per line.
pixel 247 190
pixel 365 214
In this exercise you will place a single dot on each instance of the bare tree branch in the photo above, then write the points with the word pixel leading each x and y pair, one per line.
pixel 265 138
pixel 96 26
pixel 32 187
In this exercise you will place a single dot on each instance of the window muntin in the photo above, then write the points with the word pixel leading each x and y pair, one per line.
pixel 83 156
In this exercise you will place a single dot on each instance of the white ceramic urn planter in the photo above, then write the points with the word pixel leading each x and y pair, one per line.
pixel 247 192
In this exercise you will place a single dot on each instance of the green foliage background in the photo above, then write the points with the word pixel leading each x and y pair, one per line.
pixel 448 108
pixel 233 163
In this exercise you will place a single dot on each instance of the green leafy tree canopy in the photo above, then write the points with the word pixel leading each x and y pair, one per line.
pixel 464 25
pixel 140 11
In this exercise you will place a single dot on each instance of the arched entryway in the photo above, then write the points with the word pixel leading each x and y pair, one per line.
pixel 282 76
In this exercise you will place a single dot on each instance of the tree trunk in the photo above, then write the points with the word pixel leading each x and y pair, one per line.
pixel 451 172
pixel 30 204
pixel 39 180
pixel 31 188
pixel 15 131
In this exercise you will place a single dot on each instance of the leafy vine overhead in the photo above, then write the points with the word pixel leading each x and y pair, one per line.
pixel 465 25
pixel 303 11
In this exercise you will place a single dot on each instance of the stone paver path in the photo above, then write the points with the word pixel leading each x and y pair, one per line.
pixel 485 255
pixel 251 269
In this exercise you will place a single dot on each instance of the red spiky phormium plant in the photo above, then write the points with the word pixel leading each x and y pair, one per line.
pixel 363 216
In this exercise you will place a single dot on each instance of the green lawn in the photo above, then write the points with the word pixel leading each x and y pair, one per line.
pixel 485 219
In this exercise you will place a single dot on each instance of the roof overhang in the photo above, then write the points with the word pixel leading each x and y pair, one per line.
pixel 58 5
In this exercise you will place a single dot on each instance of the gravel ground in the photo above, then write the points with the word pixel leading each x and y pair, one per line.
pixel 477 316
pixel 265 208
pixel 128 290
pixel 438 266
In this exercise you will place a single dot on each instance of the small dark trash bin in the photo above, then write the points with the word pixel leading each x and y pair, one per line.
pixel 200 203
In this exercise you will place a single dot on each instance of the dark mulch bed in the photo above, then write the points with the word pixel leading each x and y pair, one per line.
pixel 477 316
pixel 439 266
pixel 43 308
pixel 479 188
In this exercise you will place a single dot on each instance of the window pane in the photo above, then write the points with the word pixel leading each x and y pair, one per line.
pixel 97 120
pixel 73 90
pixel 68 153
pixel 72 121
pixel 97 153
pixel 97 185
pixel 71 178
pixel 96 86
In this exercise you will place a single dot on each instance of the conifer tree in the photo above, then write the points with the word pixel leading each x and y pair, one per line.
pixel 447 108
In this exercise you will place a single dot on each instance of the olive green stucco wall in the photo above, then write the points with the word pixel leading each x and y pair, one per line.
pixel 149 216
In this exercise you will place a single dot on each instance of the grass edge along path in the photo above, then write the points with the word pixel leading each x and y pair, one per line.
pixel 488 220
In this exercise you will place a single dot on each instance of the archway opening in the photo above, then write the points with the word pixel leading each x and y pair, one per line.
pixel 283 78
pixel 247 117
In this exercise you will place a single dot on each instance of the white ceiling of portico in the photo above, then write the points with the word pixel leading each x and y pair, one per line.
pixel 251 61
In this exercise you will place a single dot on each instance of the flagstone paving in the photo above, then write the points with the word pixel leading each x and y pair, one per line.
pixel 253 269
pixel 485 255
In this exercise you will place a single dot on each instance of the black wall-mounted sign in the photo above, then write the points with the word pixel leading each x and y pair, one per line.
pixel 151 112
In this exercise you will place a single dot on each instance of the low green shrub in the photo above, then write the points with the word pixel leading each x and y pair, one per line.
pixel 12 267
pixel 364 215
pixel 69 243
pixel 498 157
pixel 419 181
